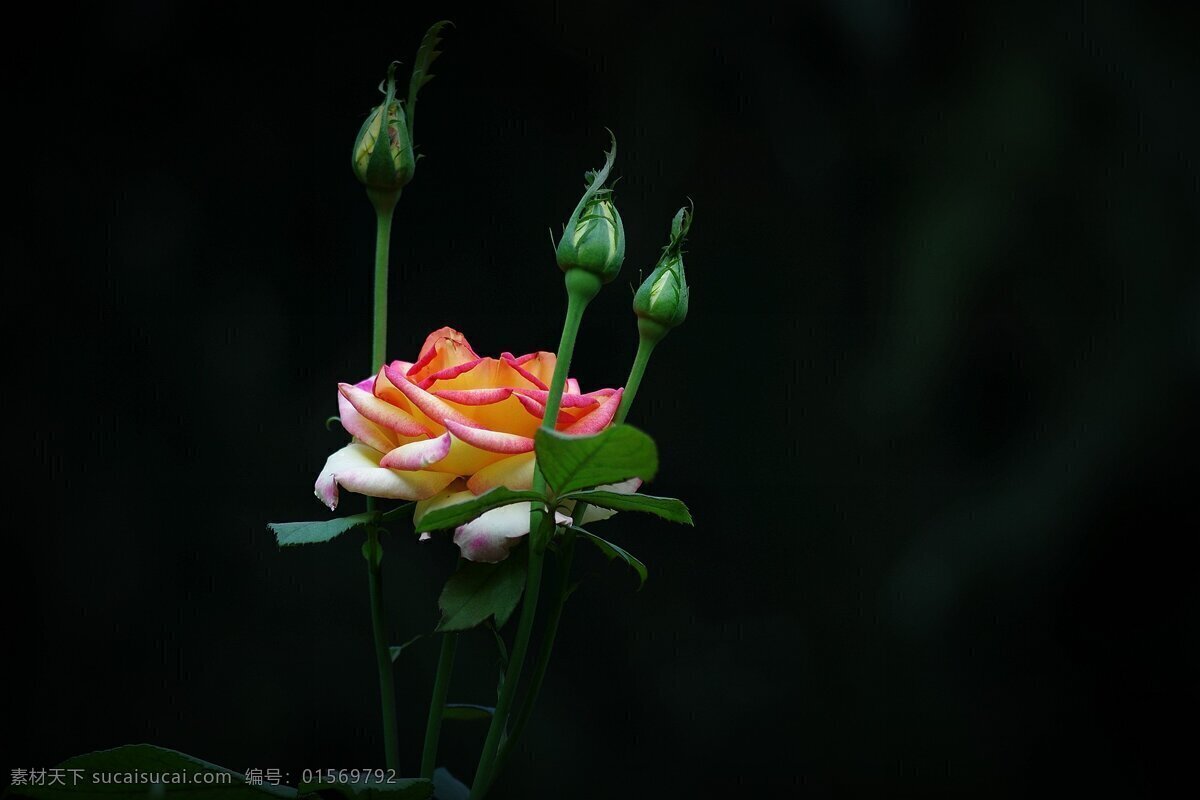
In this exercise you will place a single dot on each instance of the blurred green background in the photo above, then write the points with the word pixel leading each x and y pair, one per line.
pixel 933 409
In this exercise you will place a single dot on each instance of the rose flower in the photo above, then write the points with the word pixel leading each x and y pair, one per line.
pixel 452 425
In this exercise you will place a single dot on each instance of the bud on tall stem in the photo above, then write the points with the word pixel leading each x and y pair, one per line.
pixel 590 256
pixel 383 152
pixel 383 160
pixel 661 303
pixel 593 239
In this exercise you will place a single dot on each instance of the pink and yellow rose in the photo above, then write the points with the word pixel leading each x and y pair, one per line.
pixel 451 425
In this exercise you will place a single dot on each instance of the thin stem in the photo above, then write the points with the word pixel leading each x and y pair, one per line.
pixel 566 554
pixel 437 706
pixel 383 657
pixel 512 675
pixel 645 348
pixel 541 527
pixel 576 303
pixel 383 237
pixel 385 204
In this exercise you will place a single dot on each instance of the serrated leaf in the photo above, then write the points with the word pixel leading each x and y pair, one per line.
pixel 467 712
pixel 292 533
pixel 448 787
pixel 398 789
pixel 397 649
pixel 427 53
pixel 480 591
pixel 614 551
pixel 570 463
pixel 146 758
pixel 462 513
pixel 666 507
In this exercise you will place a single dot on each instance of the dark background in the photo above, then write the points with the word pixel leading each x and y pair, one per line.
pixel 933 409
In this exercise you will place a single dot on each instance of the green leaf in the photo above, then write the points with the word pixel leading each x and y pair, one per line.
pixel 398 789
pixel 571 463
pixel 461 513
pixel 145 759
pixel 448 787
pixel 613 551
pixel 479 591
pixel 397 649
pixel 427 53
pixel 291 533
pixel 467 712
pixel 666 507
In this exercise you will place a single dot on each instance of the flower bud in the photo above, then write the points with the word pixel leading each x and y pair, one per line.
pixel 390 167
pixel 661 303
pixel 593 239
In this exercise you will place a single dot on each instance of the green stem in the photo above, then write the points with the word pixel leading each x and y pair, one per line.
pixel 645 348
pixel 581 288
pixel 385 204
pixel 383 657
pixel 383 237
pixel 512 675
pixel 437 706
pixel 566 554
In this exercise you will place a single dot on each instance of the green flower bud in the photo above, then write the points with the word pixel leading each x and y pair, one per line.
pixel 661 303
pixel 593 239
pixel 385 168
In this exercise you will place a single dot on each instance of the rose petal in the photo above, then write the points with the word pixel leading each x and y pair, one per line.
pixel 432 407
pixel 465 459
pixel 538 410
pixel 597 420
pixel 572 386
pixel 540 364
pixel 362 428
pixel 447 374
pixel 530 375
pixel 385 390
pixel 568 400
pixel 417 455
pixel 515 472
pixel 394 484
pixel 482 373
pixel 492 441
pixel 491 535
pixel 443 348
pixel 356 468
pixel 474 397
pixel 489 380
pixel 382 413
